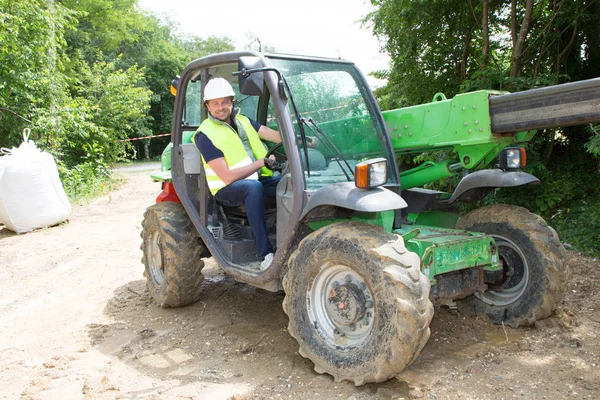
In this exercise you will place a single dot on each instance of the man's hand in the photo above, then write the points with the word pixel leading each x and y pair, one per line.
pixel 313 141
pixel 272 164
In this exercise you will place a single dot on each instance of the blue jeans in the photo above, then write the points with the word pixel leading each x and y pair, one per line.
pixel 250 193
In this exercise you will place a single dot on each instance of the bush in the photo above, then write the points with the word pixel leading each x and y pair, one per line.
pixel 579 226
pixel 86 181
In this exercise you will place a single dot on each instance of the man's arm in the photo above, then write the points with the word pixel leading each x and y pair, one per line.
pixel 219 165
pixel 272 135
pixel 269 134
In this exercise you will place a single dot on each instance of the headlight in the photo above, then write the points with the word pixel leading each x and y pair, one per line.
pixel 512 158
pixel 370 173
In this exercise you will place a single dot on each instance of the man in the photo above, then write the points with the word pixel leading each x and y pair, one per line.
pixel 233 155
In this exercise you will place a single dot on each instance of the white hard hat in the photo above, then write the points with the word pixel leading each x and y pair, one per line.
pixel 217 88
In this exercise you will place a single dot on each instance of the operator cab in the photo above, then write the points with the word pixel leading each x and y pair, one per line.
pixel 228 225
pixel 329 123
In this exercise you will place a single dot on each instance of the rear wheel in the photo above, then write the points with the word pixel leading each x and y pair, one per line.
pixel 357 302
pixel 172 254
pixel 535 273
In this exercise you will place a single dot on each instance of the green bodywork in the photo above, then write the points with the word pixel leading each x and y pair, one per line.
pixel 447 250
pixel 438 219
pixel 461 124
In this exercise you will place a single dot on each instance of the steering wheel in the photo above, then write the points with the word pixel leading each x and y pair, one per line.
pixel 273 149
pixel 280 166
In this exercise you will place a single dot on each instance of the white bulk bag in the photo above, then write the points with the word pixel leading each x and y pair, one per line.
pixel 31 193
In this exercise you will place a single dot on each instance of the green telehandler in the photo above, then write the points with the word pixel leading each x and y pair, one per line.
pixel 363 252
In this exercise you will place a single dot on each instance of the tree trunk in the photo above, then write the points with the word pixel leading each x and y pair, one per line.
pixel 146 149
pixel 486 34
pixel 465 55
pixel 566 49
pixel 513 22
pixel 547 29
pixel 519 43
pixel 550 145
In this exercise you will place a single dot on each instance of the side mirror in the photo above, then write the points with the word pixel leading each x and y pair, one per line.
pixel 174 85
pixel 251 84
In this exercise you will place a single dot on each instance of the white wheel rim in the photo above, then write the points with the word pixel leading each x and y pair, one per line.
pixel 509 252
pixel 155 259
pixel 340 306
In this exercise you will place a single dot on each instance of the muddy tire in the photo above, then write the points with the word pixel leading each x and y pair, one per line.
pixel 535 265
pixel 357 302
pixel 171 255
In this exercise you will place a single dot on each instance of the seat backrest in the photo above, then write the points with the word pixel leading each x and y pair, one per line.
pixel 191 158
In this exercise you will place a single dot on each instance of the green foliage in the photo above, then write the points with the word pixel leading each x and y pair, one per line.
pixel 105 24
pixel 195 47
pixel 86 181
pixel 579 226
pixel 412 31
pixel 31 62
pixel 439 46
pixel 118 103
pixel 567 189
pixel 106 106
pixel 593 145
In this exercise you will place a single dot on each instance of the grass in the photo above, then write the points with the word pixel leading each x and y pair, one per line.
pixel 92 188
pixel 128 163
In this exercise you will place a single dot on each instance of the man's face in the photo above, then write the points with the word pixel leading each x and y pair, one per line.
pixel 220 108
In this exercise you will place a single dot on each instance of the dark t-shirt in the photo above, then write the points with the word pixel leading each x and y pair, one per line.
pixel 208 150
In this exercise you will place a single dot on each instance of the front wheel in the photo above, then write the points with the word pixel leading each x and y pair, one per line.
pixel 535 270
pixel 357 302
pixel 172 254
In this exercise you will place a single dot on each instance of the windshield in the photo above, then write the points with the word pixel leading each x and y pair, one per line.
pixel 334 106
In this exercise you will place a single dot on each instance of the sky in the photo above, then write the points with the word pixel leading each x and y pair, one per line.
pixel 325 28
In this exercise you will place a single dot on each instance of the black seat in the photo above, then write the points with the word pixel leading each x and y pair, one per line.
pixel 240 211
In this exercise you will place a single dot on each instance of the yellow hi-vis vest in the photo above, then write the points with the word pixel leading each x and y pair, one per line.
pixel 225 138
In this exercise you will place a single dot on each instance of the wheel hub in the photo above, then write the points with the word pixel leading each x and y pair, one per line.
pixel 340 306
pixel 346 304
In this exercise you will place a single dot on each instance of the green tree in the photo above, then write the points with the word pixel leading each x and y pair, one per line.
pixel 255 43
pixel 105 25
pixel 427 43
pixel 453 45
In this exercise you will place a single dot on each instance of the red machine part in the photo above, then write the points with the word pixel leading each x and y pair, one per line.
pixel 168 193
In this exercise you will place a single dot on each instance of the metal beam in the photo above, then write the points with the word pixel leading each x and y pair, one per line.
pixel 555 106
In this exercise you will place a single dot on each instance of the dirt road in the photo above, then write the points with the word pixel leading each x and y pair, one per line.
pixel 76 322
